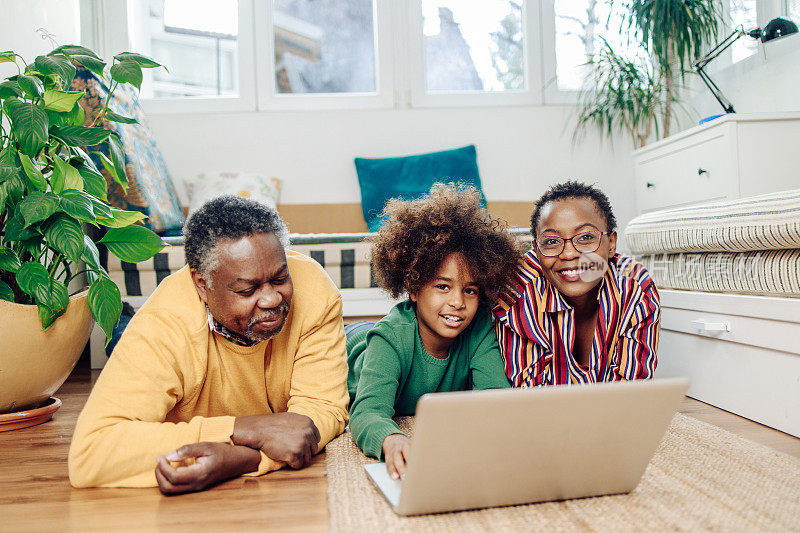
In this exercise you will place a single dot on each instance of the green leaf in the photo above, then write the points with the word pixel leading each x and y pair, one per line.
pixel 84 157
pixel 101 208
pixel 65 234
pixel 114 117
pixel 34 279
pixel 77 204
pixel 10 88
pixel 35 176
pixel 15 188
pixel 65 176
pixel 105 304
pixel 29 125
pixel 93 182
pixel 61 101
pixel 72 50
pixel 56 304
pixel 7 57
pixel 5 292
pixel 95 65
pixel 33 245
pixel 38 206
pixel 139 59
pixel 32 85
pixel 47 316
pixel 57 65
pixel 9 260
pixel 80 135
pixel 118 159
pixel 91 256
pixel 108 165
pixel 77 116
pixel 133 243
pixel 127 71
pixel 8 163
pixel 121 218
pixel 16 230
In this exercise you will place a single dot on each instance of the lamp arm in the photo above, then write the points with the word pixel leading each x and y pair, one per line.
pixel 715 90
pixel 721 47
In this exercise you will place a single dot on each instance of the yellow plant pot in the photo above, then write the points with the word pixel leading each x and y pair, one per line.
pixel 34 363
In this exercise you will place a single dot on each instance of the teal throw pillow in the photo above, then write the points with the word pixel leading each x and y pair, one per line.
pixel 412 176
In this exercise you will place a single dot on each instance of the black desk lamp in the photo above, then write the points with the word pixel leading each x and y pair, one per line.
pixel 777 27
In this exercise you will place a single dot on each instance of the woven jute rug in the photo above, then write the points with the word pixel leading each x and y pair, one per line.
pixel 702 478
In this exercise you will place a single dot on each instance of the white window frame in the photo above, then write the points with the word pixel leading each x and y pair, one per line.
pixel 113 38
pixel 531 95
pixel 552 94
pixel 269 99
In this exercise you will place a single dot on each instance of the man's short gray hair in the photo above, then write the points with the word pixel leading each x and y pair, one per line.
pixel 227 217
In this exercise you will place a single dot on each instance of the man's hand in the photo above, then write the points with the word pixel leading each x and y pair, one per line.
pixel 207 463
pixel 288 437
pixel 395 451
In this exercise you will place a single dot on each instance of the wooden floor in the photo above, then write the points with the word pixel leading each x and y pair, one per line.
pixel 35 494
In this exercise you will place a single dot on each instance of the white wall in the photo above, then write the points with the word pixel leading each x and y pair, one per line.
pixel 521 150
pixel 21 18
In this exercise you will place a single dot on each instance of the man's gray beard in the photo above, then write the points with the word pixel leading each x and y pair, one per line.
pixel 282 309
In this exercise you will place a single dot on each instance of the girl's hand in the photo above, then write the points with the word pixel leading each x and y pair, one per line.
pixel 395 451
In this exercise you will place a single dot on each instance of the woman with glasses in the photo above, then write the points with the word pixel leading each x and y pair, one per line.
pixel 577 312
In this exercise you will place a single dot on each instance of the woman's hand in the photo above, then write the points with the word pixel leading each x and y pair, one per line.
pixel 207 463
pixel 395 451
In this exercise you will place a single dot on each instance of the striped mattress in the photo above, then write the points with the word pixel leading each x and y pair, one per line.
pixel 760 273
pixel 766 222
pixel 344 256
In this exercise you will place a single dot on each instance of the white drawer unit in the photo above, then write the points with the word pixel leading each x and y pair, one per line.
pixel 742 353
pixel 730 157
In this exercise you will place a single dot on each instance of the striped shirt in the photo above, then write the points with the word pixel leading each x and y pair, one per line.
pixel 536 329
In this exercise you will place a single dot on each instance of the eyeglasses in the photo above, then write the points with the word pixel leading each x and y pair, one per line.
pixel 586 241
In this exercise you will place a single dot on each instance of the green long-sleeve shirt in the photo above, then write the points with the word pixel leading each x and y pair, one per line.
pixel 389 369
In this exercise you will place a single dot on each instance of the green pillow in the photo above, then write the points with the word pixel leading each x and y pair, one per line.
pixel 411 177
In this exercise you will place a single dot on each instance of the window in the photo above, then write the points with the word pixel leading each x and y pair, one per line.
pixel 793 10
pixel 476 47
pixel 336 54
pixel 743 13
pixel 324 47
pixel 205 44
pixel 196 38
pixel 473 53
pixel 580 28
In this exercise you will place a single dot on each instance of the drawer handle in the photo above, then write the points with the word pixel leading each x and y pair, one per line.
pixel 701 171
pixel 702 325
pixel 650 185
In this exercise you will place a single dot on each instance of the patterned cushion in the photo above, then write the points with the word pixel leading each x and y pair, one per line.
pixel 247 185
pixel 150 189
pixel 766 222
pixel 763 273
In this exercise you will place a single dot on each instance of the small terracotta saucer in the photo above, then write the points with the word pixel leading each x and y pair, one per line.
pixel 32 417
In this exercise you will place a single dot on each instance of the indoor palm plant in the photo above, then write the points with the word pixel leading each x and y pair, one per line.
pixel 621 94
pixel 50 189
pixel 637 95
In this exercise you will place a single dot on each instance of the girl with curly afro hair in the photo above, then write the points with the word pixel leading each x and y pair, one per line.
pixel 451 258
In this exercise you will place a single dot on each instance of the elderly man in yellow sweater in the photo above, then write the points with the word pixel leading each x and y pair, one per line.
pixel 235 365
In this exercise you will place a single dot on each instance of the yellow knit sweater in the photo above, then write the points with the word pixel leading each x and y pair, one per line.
pixel 170 381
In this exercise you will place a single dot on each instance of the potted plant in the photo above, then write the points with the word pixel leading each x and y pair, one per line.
pixel 621 94
pixel 50 189
pixel 637 95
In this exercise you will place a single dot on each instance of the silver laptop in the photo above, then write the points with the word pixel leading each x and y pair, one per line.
pixel 490 448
